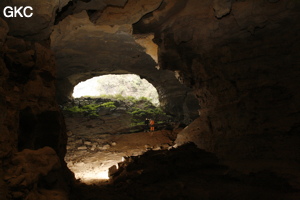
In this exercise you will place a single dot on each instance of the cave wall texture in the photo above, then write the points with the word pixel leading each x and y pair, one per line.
pixel 30 119
pixel 240 58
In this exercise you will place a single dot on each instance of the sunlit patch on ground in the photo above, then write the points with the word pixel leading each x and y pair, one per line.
pixel 94 174
pixel 91 166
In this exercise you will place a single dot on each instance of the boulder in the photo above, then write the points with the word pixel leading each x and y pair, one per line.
pixel 29 170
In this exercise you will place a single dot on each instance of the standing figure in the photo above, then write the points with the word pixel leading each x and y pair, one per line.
pixel 152 125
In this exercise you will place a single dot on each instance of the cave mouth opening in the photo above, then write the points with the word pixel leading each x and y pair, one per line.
pixel 106 123
pixel 117 85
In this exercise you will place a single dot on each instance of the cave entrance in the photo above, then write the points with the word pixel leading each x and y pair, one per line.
pixel 106 122
pixel 122 86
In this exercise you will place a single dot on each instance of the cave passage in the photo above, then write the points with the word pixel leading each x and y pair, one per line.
pixel 227 72
pixel 106 123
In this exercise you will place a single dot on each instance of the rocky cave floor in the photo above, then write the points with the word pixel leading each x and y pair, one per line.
pixel 90 156
pixel 110 163
pixel 153 169
pixel 183 173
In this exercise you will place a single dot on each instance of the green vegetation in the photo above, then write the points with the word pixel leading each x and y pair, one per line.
pixel 138 109
pixel 139 115
pixel 87 108
pixel 90 109
pixel 108 105
pixel 143 109
pixel 119 97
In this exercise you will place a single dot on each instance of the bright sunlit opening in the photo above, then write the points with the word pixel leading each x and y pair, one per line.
pixel 124 85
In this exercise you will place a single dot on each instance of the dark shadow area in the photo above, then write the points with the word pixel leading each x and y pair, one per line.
pixel 39 130
pixel 185 172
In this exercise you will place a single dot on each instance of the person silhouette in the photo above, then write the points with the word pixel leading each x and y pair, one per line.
pixel 152 122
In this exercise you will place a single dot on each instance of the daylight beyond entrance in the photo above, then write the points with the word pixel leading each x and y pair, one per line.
pixel 126 85
pixel 106 124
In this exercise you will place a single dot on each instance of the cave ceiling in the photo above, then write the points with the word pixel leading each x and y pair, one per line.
pixel 97 37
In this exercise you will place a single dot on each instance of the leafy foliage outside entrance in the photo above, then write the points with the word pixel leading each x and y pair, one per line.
pixel 138 109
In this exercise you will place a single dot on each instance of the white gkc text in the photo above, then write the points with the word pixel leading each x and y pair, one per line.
pixel 15 11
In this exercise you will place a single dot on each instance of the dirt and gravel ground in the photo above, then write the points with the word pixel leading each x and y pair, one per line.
pixel 150 171
pixel 90 156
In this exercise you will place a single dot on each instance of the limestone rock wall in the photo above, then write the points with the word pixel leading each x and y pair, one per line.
pixel 4 136
pixel 30 117
pixel 242 60
pixel 130 13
